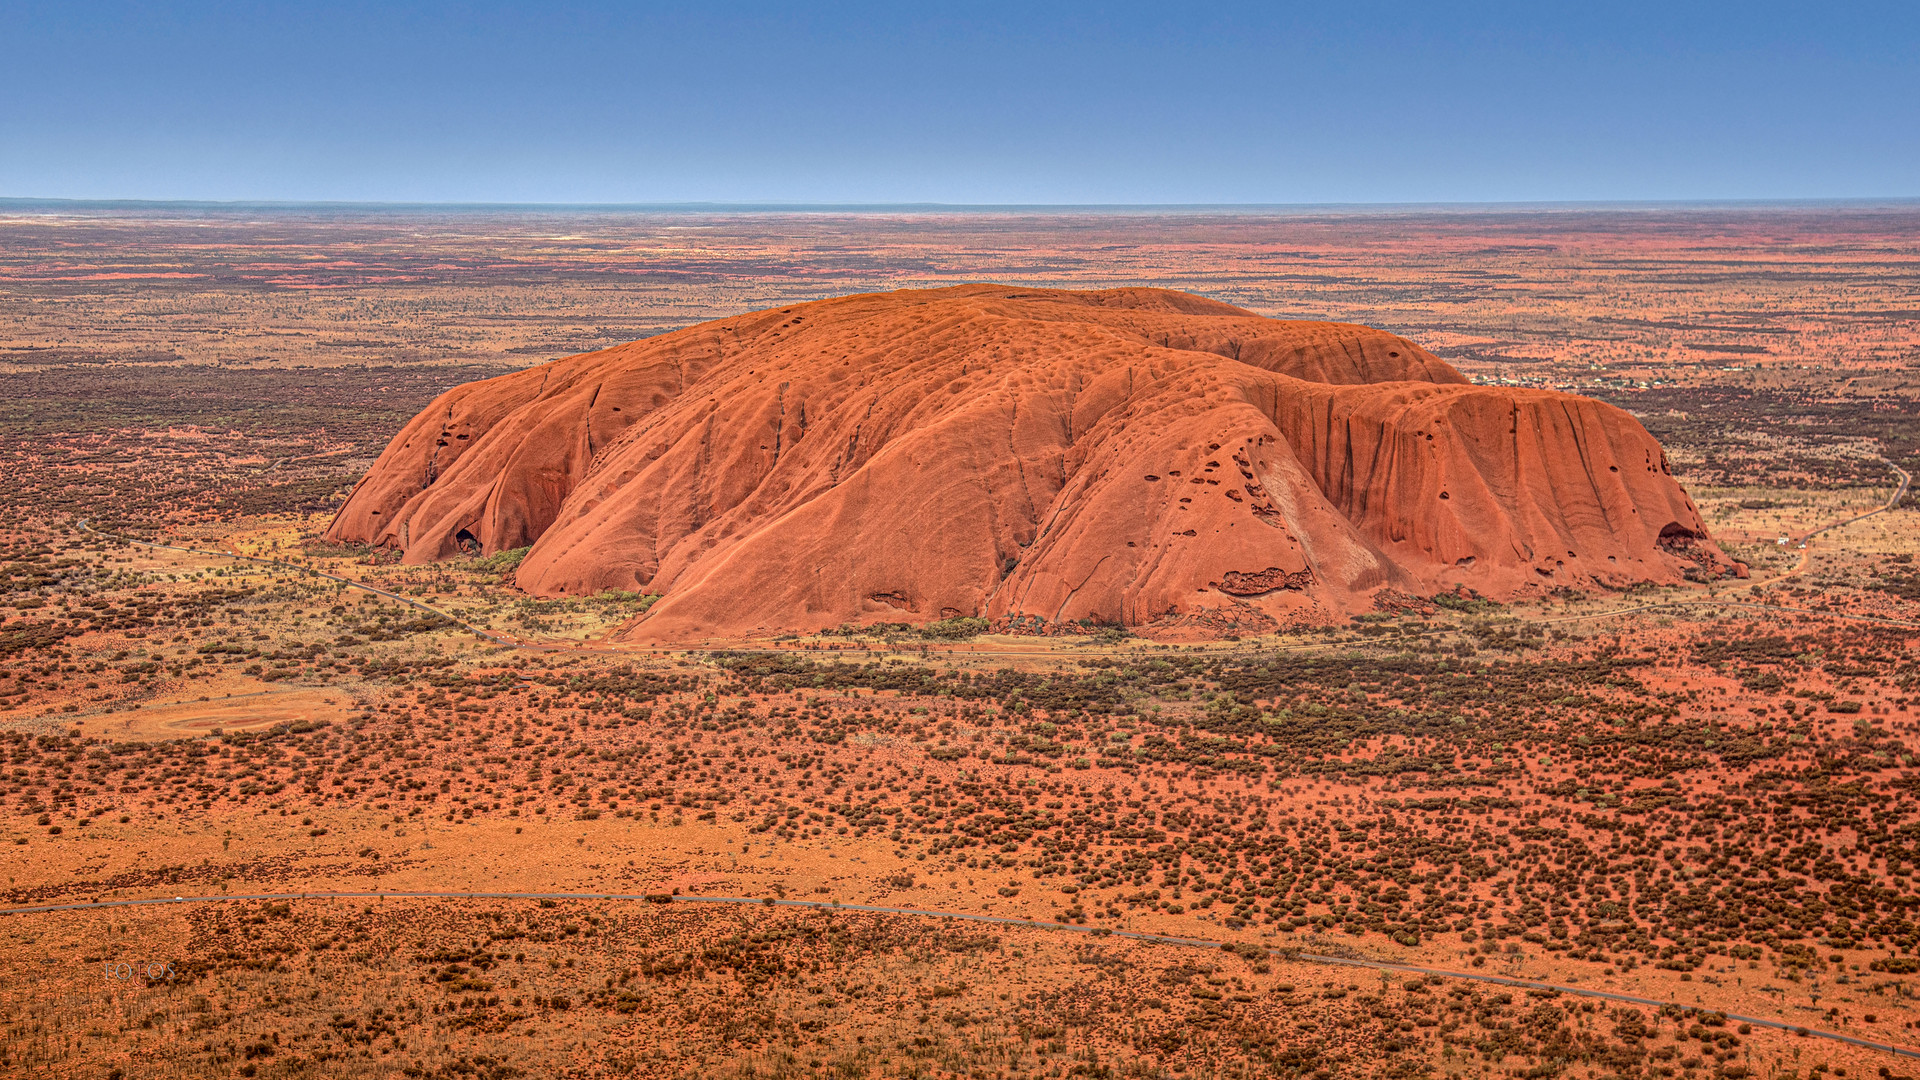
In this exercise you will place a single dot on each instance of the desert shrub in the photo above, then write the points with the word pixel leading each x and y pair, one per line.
pixel 954 629
pixel 502 562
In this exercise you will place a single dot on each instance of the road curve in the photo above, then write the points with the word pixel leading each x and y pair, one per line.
pixel 1906 479
pixel 997 920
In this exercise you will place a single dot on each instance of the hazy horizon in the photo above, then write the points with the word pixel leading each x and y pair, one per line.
pixel 1122 104
pixel 698 207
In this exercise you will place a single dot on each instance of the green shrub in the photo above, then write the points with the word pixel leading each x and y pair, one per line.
pixel 502 562
pixel 954 629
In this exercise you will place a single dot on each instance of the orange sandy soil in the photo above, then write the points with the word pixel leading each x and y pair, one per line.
pixel 590 989
pixel 1677 804
pixel 1733 295
pixel 1707 808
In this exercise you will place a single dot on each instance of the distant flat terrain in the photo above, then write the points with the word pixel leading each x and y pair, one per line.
pixel 1701 793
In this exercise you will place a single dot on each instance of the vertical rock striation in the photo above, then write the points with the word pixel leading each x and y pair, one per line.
pixel 1132 456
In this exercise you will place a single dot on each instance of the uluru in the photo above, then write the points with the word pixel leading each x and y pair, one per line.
pixel 1039 458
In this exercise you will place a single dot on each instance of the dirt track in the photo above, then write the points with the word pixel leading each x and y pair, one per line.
pixel 1000 920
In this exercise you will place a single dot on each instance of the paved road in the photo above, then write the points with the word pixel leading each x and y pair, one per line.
pixel 998 920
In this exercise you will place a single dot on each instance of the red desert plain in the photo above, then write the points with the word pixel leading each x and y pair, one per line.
pixel 1310 645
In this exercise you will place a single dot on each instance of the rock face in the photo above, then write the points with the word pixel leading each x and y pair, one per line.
pixel 1132 456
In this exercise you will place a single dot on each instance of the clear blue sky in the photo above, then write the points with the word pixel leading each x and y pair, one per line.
pixel 980 102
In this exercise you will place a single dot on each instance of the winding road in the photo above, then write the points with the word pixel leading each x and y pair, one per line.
pixel 1906 480
pixel 997 920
